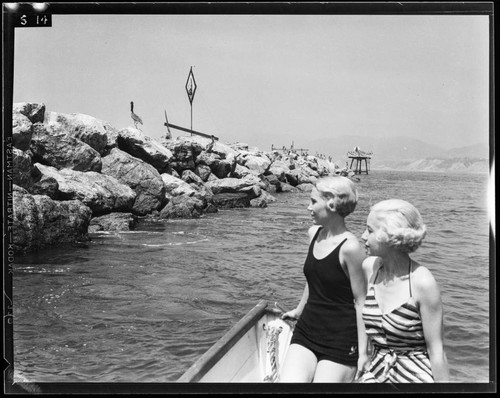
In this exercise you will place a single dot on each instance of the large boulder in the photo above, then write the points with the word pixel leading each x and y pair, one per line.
pixel 176 187
pixel 113 222
pixel 29 177
pixel 203 172
pixel 182 207
pixel 192 178
pixel 200 144
pixel 231 200
pixel 39 221
pixel 280 169
pixel 25 175
pixel 219 167
pixel 257 163
pixel 287 188
pixel 45 185
pixel 190 185
pixel 258 202
pixel 143 178
pixel 240 171
pixel 60 150
pixel 202 192
pixel 22 131
pixel 25 221
pixel 265 195
pixel 86 128
pixel 34 112
pixel 302 175
pixel 305 187
pixel 272 182
pixel 135 143
pixel 308 161
pixel 184 152
pixel 248 185
pixel 223 150
pixel 101 193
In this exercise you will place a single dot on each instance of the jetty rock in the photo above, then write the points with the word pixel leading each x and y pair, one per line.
pixel 59 149
pixel 232 200
pixel 183 207
pixel 28 176
pixel 218 166
pixel 135 143
pixel 190 185
pixel 34 112
pixel 176 186
pixel 101 193
pixel 40 221
pixel 22 131
pixel 88 129
pixel 250 185
pixel 113 222
pixel 114 177
pixel 25 174
pixel 143 178
pixel 257 163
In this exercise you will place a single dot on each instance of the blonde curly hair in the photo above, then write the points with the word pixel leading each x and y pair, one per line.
pixel 401 225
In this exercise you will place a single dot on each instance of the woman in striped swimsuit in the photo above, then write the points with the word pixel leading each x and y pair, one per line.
pixel 403 311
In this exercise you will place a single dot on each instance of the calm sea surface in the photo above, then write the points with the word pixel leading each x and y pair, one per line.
pixel 142 306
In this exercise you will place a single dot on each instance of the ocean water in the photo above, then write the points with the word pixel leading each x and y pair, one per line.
pixel 142 306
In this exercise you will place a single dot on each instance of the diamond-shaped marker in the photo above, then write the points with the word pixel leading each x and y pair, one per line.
pixel 190 85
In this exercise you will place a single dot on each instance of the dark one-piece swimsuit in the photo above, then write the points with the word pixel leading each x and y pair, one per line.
pixel 327 325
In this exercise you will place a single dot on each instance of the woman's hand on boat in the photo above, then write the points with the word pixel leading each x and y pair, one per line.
pixel 293 314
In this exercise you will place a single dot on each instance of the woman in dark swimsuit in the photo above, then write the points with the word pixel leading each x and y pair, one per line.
pixel 329 341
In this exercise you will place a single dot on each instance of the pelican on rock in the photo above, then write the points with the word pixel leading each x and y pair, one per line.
pixel 135 117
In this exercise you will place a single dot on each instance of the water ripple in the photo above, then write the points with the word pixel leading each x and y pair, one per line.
pixel 143 306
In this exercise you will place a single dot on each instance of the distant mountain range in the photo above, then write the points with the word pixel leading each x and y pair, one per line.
pixel 394 149
pixel 405 153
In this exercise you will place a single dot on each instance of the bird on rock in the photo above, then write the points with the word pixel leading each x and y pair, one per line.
pixel 135 117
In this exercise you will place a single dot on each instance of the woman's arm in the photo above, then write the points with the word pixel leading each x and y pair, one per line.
pixel 431 312
pixel 297 311
pixel 353 255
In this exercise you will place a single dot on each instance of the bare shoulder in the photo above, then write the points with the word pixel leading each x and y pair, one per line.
pixel 352 252
pixel 370 265
pixel 423 281
pixel 352 245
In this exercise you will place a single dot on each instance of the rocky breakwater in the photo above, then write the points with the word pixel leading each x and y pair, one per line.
pixel 74 174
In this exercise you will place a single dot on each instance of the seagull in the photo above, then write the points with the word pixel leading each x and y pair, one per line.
pixel 135 117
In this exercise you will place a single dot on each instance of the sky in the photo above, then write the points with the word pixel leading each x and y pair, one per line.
pixel 266 79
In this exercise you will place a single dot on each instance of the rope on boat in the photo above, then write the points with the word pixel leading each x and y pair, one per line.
pixel 272 335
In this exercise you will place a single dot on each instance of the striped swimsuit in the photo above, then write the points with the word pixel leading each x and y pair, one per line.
pixel 399 349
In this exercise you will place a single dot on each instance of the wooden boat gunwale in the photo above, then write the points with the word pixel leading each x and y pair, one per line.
pixel 225 343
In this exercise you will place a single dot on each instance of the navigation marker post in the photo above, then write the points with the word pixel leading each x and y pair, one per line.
pixel 191 89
